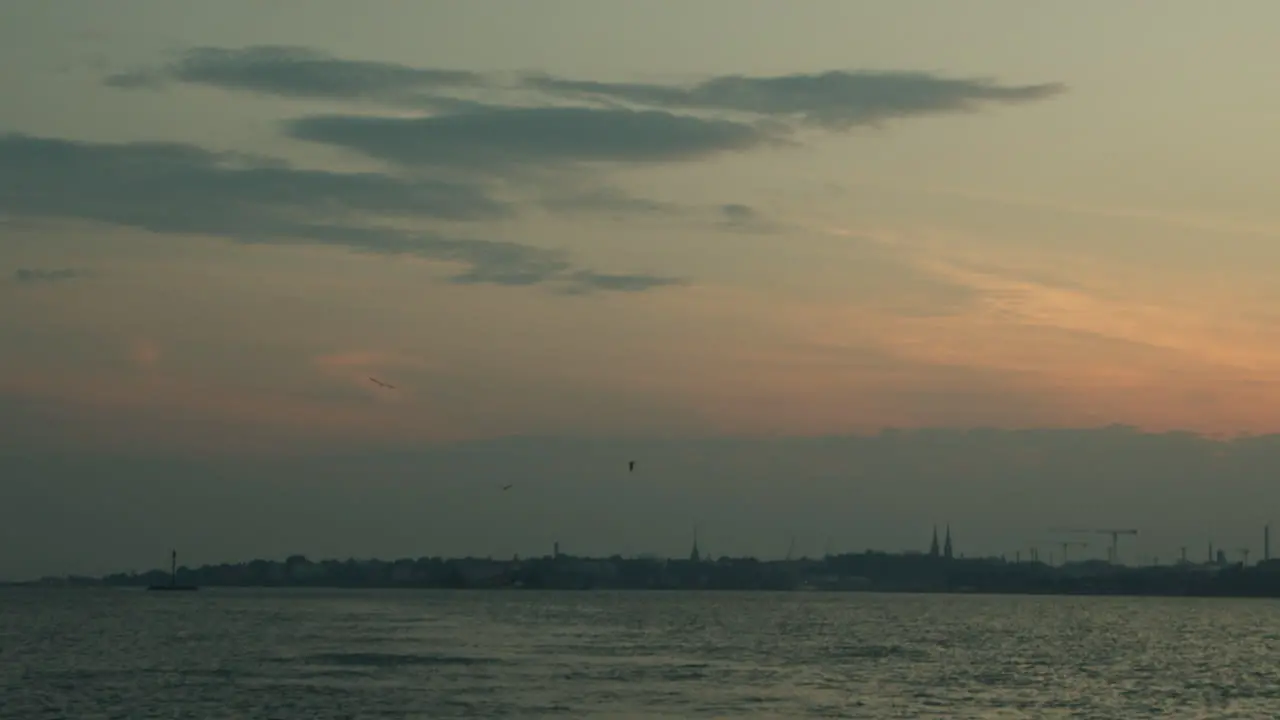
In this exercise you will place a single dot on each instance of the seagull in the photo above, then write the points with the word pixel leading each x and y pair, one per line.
pixel 506 487
pixel 378 382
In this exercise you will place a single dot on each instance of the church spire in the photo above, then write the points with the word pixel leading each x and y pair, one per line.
pixel 694 555
pixel 933 546
pixel 946 548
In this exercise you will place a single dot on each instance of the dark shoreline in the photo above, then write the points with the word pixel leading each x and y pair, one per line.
pixel 861 572
pixel 42 585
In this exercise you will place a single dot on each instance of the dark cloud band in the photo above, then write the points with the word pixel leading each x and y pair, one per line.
pixel 836 99
pixel 537 130
pixel 182 189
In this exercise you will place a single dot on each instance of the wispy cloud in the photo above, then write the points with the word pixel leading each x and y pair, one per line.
pixel 607 200
pixel 33 276
pixel 619 204
pixel 297 72
pixel 744 218
pixel 1029 300
pixel 586 281
pixel 835 99
pixel 499 137
pixel 509 125
pixel 1100 352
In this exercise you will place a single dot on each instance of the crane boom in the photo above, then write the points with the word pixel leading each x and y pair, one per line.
pixel 1114 551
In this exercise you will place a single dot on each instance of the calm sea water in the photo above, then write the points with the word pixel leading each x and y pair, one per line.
pixel 406 654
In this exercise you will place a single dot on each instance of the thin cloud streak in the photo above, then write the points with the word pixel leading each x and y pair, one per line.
pixel 495 138
pixel 833 99
pixel 41 276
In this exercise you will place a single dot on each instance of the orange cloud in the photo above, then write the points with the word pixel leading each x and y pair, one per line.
pixel 1096 356
pixel 1033 346
pixel 1075 330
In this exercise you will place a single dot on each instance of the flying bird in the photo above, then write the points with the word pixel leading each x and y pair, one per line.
pixel 506 487
pixel 379 383
pixel 631 466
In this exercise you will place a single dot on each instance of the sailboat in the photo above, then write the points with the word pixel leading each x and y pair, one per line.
pixel 173 577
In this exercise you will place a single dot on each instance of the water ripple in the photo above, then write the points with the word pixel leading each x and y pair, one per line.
pixel 381 654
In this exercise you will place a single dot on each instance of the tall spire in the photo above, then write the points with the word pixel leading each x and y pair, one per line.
pixel 946 548
pixel 694 555
pixel 933 546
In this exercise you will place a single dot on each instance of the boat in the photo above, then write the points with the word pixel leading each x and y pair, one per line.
pixel 173 585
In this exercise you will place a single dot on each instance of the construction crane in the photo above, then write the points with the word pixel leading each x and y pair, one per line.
pixel 1113 553
pixel 1068 544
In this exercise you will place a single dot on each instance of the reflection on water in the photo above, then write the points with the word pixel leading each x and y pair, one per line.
pixel 381 654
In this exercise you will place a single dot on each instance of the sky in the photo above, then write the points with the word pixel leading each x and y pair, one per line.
pixel 709 232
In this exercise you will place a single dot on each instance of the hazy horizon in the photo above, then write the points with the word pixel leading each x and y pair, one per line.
pixel 602 223
pixel 1001 491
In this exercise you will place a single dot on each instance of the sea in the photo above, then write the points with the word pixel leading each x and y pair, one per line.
pixel 292 654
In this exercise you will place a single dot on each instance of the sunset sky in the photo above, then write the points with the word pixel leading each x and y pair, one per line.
pixel 642 219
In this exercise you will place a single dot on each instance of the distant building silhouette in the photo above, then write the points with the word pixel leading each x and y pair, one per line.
pixel 946 548
pixel 872 570
pixel 933 546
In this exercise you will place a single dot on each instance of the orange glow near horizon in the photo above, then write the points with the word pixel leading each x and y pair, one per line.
pixel 1021 353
